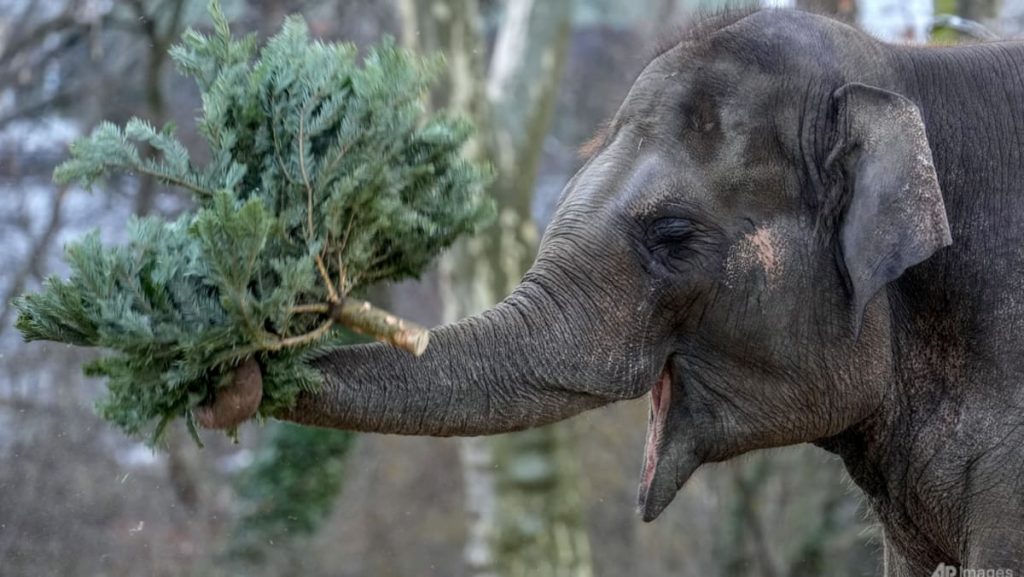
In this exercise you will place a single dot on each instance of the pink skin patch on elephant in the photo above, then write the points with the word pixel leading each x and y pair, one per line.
pixel 756 251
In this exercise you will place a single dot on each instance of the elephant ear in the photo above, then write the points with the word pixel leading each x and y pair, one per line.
pixel 895 217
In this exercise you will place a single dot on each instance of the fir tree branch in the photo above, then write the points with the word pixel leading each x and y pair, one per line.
pixel 173 180
pixel 276 344
pixel 300 340
pixel 332 295
pixel 274 120
pixel 343 280
pixel 305 179
pixel 318 308
pixel 341 275
pixel 192 302
pixel 332 166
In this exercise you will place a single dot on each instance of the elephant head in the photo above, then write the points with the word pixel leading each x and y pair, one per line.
pixel 725 248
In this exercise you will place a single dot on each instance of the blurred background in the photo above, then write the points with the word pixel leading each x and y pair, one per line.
pixel 77 498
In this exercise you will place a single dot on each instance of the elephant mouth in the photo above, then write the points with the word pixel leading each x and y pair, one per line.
pixel 669 456
pixel 661 398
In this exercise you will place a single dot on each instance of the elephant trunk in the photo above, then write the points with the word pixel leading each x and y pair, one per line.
pixel 518 365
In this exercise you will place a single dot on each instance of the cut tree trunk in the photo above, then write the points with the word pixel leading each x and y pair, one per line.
pixel 522 491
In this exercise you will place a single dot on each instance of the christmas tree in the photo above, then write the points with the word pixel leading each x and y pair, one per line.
pixel 324 177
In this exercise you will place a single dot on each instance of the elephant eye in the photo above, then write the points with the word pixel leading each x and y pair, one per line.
pixel 674 242
pixel 667 239
pixel 669 231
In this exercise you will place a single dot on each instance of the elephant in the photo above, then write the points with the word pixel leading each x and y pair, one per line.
pixel 789 232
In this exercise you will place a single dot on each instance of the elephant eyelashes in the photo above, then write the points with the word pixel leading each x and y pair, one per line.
pixel 670 230
pixel 667 239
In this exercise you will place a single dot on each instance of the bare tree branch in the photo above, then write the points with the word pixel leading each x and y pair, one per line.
pixel 37 108
pixel 33 37
pixel 38 252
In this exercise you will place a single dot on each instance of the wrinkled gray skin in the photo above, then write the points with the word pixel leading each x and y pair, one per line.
pixel 790 233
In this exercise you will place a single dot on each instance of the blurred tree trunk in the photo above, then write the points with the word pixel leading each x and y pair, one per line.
pixel 161 24
pixel 897 20
pixel 982 11
pixel 745 547
pixel 522 490
pixel 845 10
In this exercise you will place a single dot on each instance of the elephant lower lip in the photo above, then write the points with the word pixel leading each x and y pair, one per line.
pixel 670 456
pixel 661 396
